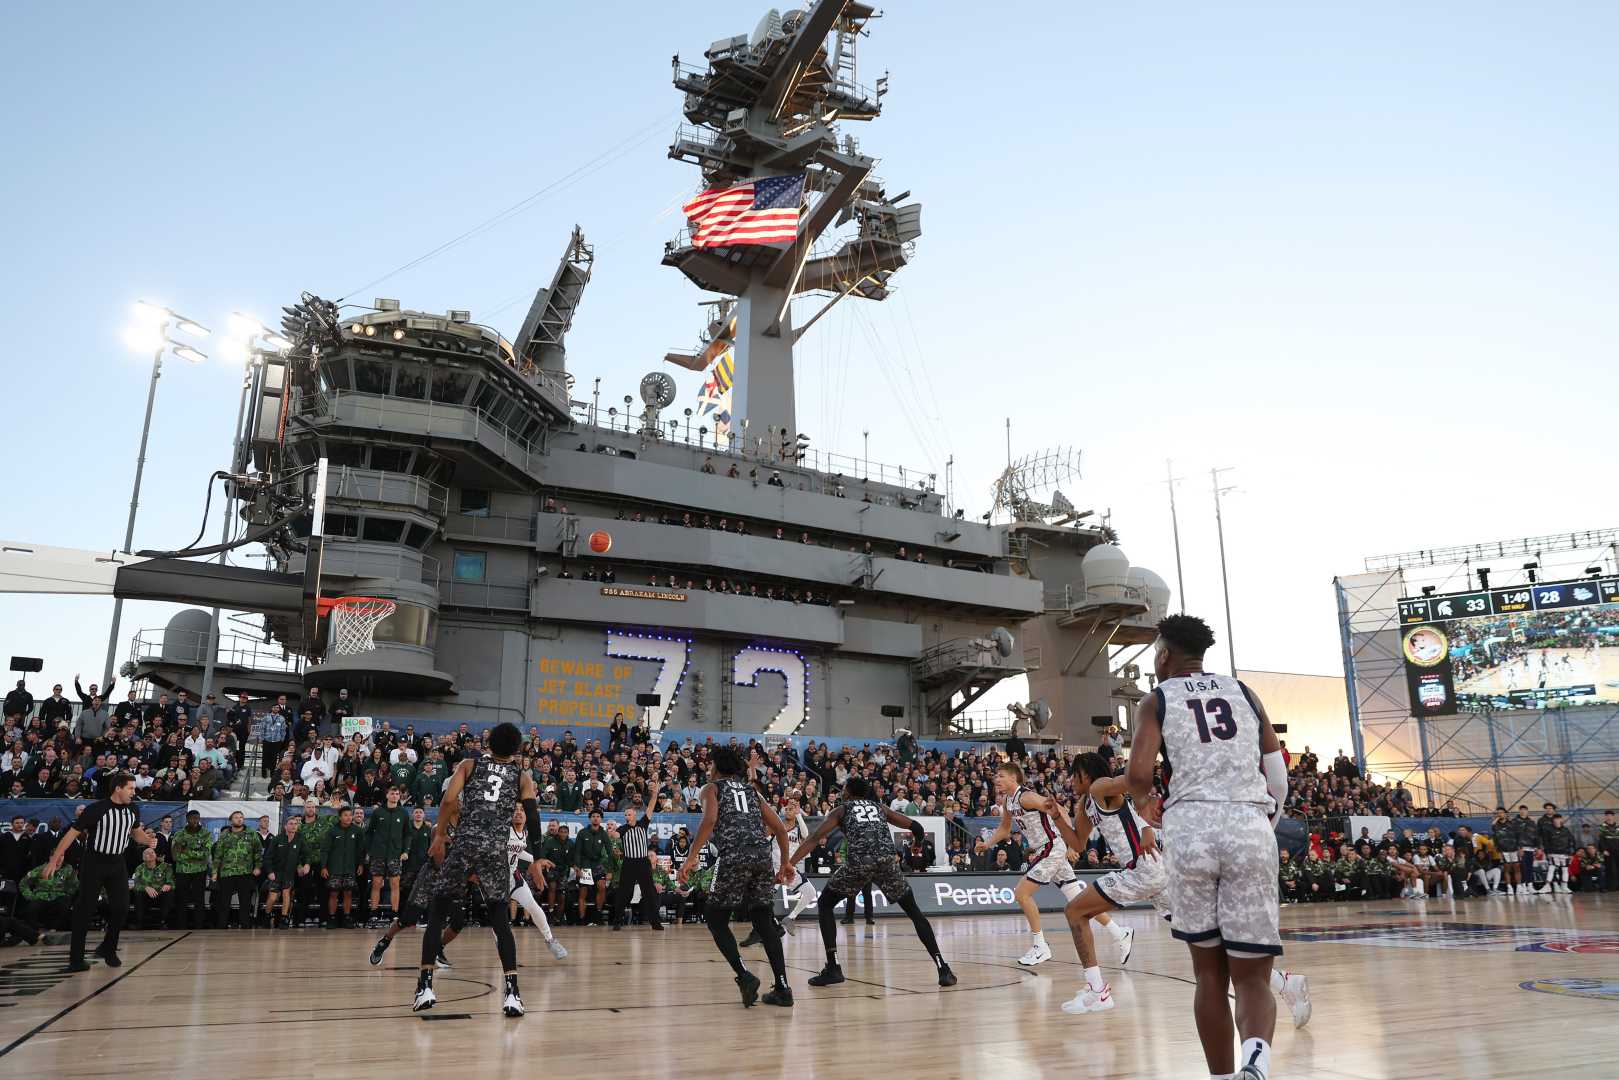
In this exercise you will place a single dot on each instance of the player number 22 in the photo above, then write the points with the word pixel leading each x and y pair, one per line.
pixel 1225 726
pixel 866 815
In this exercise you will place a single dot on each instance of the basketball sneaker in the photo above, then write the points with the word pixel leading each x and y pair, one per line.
pixel 425 999
pixel 1126 945
pixel 830 975
pixel 1296 994
pixel 513 1005
pixel 946 976
pixel 751 939
pixel 1037 954
pixel 443 961
pixel 1089 1001
pixel 778 995
pixel 556 949
pixel 786 926
pixel 378 949
pixel 748 983
pixel 1248 1072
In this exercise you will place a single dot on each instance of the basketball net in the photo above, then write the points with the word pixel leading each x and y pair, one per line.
pixel 352 620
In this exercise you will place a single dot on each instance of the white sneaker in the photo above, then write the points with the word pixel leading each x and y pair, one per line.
pixel 512 1006
pixel 1037 954
pixel 1296 993
pixel 556 949
pixel 425 999
pixel 1126 945
pixel 1089 1001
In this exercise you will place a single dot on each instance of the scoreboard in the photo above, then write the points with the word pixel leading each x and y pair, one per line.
pixel 1551 596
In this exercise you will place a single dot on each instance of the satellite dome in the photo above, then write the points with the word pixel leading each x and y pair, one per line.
pixel 1156 589
pixel 1105 565
pixel 185 638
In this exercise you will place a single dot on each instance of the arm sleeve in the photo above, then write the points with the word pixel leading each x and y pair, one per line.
pixel 1275 771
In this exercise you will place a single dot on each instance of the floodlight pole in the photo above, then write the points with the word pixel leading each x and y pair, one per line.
pixel 135 496
pixel 1175 527
pixel 1225 585
pixel 224 531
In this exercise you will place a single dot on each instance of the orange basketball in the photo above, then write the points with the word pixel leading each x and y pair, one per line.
pixel 600 542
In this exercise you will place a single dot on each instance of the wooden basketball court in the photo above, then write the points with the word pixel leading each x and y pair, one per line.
pixel 1481 989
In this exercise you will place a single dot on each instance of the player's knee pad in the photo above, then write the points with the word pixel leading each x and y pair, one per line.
pixel 1072 889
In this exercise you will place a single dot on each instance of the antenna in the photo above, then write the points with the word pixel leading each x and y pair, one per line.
pixel 1175 525
pixel 1225 584
pixel 1020 490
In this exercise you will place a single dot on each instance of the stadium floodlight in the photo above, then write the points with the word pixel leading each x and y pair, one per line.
pixel 143 338
pixel 277 342
pixel 190 326
pixel 246 326
pixel 148 312
pixel 233 351
pixel 186 352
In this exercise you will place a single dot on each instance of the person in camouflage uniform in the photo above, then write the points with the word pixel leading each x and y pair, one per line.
pixel 344 850
pixel 50 900
pixel 1290 877
pixel 316 831
pixel 153 886
pixel 1317 879
pixel 284 859
pixel 192 849
pixel 236 867
pixel 1349 876
pixel 1383 877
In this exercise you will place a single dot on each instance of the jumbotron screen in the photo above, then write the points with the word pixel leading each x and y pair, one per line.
pixel 1524 647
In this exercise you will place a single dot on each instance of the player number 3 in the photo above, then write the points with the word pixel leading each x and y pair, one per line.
pixel 1225 726
pixel 495 783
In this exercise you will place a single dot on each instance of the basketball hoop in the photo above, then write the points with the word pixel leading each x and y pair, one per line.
pixel 352 620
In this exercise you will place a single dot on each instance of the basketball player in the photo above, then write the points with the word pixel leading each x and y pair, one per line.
pixel 744 881
pixel 1225 796
pixel 1143 878
pixel 478 803
pixel 800 893
pixel 415 910
pixel 523 866
pixel 871 860
pixel 1048 862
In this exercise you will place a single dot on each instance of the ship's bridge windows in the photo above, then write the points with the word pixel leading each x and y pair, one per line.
pixel 484 400
pixel 469 565
pixel 450 385
pixel 351 455
pixel 475 502
pixel 384 530
pixel 336 374
pixel 418 536
pixel 412 381
pixel 410 624
pixel 372 376
pixel 390 459
pixel 342 525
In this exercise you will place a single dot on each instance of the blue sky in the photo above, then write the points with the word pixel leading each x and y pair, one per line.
pixel 1366 256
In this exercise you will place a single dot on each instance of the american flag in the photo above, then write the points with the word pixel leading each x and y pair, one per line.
pixel 762 211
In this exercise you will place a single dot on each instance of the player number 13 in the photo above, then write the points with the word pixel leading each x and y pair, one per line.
pixel 1217 709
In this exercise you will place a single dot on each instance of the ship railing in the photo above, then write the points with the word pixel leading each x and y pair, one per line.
pixel 1069 597
pixel 190 647
pixel 393 488
pixel 493 526
pixel 343 556
pixel 462 421
pixel 489 596
pixel 845 474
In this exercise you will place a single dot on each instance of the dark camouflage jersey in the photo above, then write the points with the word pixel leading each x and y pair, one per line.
pixel 865 829
pixel 739 828
pixel 487 802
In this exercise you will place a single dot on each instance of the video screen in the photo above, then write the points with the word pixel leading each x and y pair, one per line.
pixel 1532 659
pixel 1522 647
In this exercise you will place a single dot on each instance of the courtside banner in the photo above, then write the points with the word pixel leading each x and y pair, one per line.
pixel 957 894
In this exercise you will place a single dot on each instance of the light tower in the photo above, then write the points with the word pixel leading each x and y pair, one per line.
pixel 768 104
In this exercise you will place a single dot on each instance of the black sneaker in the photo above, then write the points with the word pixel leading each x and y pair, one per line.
pixel 748 983
pixel 443 961
pixel 779 995
pixel 377 951
pixel 830 975
pixel 751 939
pixel 946 976
pixel 82 964
pixel 110 959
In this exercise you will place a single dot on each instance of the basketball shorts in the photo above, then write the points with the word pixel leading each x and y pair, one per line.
pixel 1142 883
pixel 743 884
pixel 340 881
pixel 851 878
pixel 1222 876
pixel 386 867
pixel 1050 865
pixel 494 873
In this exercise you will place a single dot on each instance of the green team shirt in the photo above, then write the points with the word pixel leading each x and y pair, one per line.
pixel 315 835
pixel 403 775
pixel 192 849
pixel 282 857
pixel 236 853
pixel 343 849
pixel 385 833
pixel 417 842
pixel 154 877
pixel 62 884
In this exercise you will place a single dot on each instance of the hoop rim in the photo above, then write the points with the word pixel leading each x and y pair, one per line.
pixel 324 606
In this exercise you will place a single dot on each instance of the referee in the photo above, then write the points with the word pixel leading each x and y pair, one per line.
pixel 637 867
pixel 107 825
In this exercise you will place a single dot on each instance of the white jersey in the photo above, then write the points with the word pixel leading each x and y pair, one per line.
pixel 517 853
pixel 1211 740
pixel 1120 828
pixel 797 833
pixel 1038 832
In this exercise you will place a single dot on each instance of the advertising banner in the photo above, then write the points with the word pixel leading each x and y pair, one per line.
pixel 958 894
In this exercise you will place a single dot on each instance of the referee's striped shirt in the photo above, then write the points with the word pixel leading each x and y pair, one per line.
pixel 634 839
pixel 106 826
